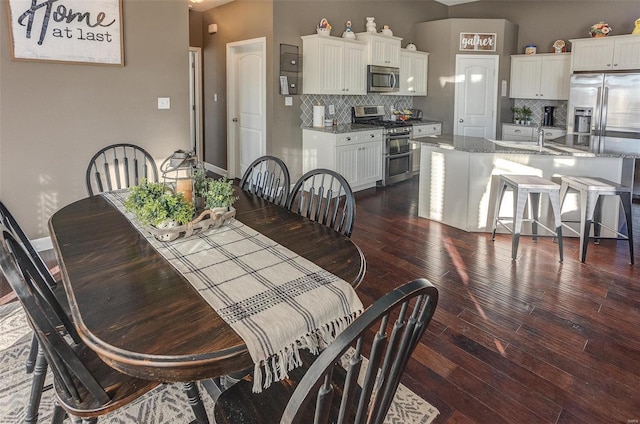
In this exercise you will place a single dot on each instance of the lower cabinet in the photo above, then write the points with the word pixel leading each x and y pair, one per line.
pixel 357 156
pixel 422 130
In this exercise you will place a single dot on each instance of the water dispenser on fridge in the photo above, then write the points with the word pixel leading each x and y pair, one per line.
pixel 582 120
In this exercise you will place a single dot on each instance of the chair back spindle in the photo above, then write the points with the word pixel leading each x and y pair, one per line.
pixel 268 178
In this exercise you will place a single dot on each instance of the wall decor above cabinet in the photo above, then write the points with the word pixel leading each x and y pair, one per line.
pixel 333 65
pixel 540 76
pixel 612 53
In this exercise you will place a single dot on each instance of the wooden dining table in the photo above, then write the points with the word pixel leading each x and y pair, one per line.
pixel 141 315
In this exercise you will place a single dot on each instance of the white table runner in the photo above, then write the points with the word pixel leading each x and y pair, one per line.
pixel 276 300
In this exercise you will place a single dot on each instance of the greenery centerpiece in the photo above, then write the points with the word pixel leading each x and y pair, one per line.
pixel 167 214
pixel 153 204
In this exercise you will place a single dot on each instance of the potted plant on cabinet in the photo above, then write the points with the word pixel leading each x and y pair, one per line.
pixel 526 115
pixel 517 114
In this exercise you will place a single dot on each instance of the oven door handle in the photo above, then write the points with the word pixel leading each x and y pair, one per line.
pixel 398 156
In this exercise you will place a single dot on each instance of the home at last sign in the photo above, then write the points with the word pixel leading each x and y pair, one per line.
pixel 478 42
pixel 80 31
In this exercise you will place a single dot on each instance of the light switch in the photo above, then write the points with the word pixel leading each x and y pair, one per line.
pixel 288 101
pixel 332 110
pixel 503 89
pixel 164 103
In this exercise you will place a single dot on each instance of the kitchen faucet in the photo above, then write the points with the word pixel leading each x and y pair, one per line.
pixel 540 135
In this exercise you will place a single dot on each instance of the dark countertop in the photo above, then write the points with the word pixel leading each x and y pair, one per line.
pixel 347 128
pixel 560 146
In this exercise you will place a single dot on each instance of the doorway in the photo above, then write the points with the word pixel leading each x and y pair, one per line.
pixel 195 101
pixel 246 107
pixel 476 95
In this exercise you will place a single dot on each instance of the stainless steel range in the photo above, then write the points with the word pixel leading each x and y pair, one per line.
pixel 397 153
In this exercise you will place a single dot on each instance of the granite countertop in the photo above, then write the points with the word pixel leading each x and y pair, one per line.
pixel 561 146
pixel 347 128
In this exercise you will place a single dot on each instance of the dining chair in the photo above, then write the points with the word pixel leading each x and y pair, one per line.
pixel 37 387
pixel 339 388
pixel 85 386
pixel 324 196
pixel 119 166
pixel 267 177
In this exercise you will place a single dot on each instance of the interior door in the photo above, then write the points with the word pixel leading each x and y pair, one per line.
pixel 246 84
pixel 476 95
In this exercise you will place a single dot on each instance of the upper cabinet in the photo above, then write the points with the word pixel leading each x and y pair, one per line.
pixel 613 53
pixel 382 50
pixel 540 76
pixel 332 65
pixel 413 73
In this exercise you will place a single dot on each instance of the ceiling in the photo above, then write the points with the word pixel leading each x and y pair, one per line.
pixel 203 5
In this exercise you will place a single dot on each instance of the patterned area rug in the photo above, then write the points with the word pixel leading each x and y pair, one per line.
pixel 165 404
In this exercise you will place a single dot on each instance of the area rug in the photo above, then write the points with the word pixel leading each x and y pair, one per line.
pixel 165 404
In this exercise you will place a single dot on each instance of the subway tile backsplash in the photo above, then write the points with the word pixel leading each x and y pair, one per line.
pixel 343 105
pixel 537 107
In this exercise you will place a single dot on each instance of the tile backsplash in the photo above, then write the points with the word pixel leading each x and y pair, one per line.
pixel 343 105
pixel 537 107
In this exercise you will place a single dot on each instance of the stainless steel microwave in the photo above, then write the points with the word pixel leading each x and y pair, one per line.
pixel 382 79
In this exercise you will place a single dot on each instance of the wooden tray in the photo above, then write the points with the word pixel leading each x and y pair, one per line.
pixel 209 218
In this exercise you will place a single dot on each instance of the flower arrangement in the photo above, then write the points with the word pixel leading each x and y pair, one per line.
pixel 601 29
pixel 152 204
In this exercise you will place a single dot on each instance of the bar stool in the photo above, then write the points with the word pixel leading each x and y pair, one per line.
pixel 527 187
pixel 591 190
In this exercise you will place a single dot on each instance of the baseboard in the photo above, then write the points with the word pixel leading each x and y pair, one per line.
pixel 216 170
pixel 42 244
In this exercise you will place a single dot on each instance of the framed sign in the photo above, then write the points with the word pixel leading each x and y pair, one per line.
pixel 478 41
pixel 77 31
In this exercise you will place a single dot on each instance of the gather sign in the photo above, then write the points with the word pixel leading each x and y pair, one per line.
pixel 478 41
pixel 80 31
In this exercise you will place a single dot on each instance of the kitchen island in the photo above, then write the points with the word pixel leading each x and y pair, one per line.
pixel 458 177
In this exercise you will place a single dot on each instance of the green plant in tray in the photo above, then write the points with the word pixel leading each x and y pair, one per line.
pixel 153 204
pixel 217 193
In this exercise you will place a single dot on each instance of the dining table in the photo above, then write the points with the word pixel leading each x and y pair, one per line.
pixel 141 315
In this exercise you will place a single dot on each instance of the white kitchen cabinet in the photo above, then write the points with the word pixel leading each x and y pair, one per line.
pixel 512 132
pixel 413 73
pixel 540 76
pixel 382 50
pixel 357 156
pixel 613 53
pixel 422 130
pixel 332 65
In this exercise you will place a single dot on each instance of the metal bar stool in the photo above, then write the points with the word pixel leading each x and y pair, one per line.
pixel 527 187
pixel 590 191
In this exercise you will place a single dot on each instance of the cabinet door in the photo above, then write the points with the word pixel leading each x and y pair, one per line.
pixel 331 66
pixel 369 163
pixel 347 163
pixel 525 77
pixel 626 53
pixel 378 51
pixel 554 77
pixel 594 54
pixel 392 52
pixel 355 69
pixel 424 130
pixel 406 74
pixel 420 66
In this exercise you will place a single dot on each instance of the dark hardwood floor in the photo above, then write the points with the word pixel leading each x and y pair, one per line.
pixel 530 341
pixel 526 341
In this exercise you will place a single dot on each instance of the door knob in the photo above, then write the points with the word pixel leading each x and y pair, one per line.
pixel 235 119
pixel 461 120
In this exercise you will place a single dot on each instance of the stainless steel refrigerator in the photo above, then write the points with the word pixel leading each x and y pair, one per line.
pixel 604 113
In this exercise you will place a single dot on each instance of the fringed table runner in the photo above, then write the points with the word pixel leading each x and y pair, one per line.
pixel 276 300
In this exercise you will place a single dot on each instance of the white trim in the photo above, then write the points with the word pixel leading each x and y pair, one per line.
pixel 195 100
pixel 216 170
pixel 42 244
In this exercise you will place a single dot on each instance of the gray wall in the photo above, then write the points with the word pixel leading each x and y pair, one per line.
pixel 55 116
pixel 441 40
pixel 543 22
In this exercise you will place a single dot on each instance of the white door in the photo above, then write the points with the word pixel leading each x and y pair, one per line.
pixel 246 114
pixel 476 96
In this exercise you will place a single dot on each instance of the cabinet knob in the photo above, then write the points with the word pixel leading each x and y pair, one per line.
pixel 461 120
pixel 235 119
pixel 348 138
pixel 608 64
pixel 615 64
pixel 372 135
pixel 517 131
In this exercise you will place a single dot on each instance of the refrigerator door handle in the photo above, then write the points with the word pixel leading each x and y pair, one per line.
pixel 605 105
pixel 598 114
